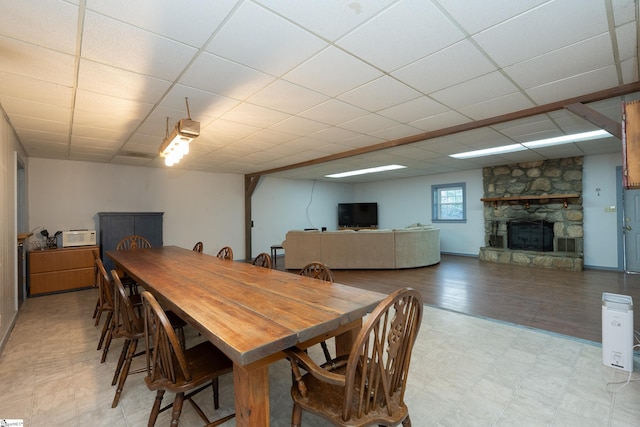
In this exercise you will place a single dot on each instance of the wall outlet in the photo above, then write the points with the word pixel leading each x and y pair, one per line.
pixel 610 208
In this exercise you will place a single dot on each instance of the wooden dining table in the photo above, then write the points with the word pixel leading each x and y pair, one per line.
pixel 250 313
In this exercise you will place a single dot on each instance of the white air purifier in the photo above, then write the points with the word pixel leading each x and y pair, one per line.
pixel 617 331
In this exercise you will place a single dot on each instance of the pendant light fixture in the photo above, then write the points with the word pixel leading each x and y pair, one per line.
pixel 176 144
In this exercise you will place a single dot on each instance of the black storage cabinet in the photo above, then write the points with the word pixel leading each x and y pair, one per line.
pixel 114 226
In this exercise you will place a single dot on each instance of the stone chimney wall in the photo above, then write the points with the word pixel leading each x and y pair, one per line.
pixel 540 178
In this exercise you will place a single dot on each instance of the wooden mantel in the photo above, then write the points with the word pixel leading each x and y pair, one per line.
pixel 527 199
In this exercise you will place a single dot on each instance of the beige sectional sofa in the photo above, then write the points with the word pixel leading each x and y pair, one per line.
pixel 416 246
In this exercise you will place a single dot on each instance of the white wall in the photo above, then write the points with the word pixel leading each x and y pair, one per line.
pixel 279 205
pixel 8 232
pixel 601 230
pixel 210 207
pixel 406 201
pixel 197 205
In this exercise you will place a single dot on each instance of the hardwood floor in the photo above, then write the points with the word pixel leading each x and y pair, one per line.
pixel 565 302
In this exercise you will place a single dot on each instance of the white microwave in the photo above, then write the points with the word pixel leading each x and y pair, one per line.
pixel 76 238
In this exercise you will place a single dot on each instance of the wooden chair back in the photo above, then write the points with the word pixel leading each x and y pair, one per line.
pixel 105 287
pixel 374 374
pixel 317 270
pixel 262 260
pixel 127 322
pixel 167 361
pixel 198 247
pixel 225 253
pixel 378 365
pixel 133 242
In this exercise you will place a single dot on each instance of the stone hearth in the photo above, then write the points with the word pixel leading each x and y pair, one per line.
pixel 517 193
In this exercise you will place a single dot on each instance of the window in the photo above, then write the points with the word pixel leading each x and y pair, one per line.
pixel 449 203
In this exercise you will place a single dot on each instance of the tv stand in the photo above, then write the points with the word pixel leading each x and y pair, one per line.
pixel 358 228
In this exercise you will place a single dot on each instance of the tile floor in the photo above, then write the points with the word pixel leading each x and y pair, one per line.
pixel 465 371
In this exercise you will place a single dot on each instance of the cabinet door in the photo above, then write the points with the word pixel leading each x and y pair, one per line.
pixel 113 228
pixel 149 226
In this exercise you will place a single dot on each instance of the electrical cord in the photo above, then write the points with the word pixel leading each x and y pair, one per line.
pixel 636 334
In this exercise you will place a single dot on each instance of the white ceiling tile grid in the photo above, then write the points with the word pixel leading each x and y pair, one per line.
pixel 275 83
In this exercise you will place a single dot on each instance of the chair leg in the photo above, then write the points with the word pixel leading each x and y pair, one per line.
pixel 107 341
pixel 155 410
pixel 325 350
pixel 177 409
pixel 121 359
pixel 216 393
pixel 296 415
pixel 407 421
pixel 105 328
pixel 125 372
pixel 97 312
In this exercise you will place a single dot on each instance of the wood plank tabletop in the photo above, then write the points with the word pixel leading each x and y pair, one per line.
pixel 248 312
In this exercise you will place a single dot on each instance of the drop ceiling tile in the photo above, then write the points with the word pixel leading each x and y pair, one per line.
pixel 36 62
pixel 20 107
pixel 288 97
pixel 630 70
pixel 329 18
pixel 226 131
pixel 262 40
pixel 474 16
pixel 601 146
pixel 217 75
pixel 515 101
pixel 417 24
pixel 101 144
pixel 34 90
pixel 254 115
pixel 32 136
pixel 483 88
pixel 415 109
pixel 543 29
pixel 48 126
pixel 332 72
pixel 31 22
pixel 592 81
pixel 334 134
pixel 379 94
pixel 115 43
pixel 169 18
pixel 566 62
pixel 333 112
pixel 440 121
pixel 105 111
pixel 626 37
pixel 623 11
pixel 369 124
pixel 298 126
pixel 443 69
pixel 100 133
pixel 100 78
pixel 396 132
pixel 559 151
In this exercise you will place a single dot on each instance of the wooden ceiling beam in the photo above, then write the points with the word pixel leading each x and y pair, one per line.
pixel 477 124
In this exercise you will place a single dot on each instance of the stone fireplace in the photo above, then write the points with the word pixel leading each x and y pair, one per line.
pixel 533 214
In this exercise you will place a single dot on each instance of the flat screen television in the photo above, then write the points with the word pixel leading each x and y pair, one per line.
pixel 357 215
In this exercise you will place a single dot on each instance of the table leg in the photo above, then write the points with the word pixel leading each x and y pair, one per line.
pixel 252 395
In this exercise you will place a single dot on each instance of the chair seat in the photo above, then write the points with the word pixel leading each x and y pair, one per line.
pixel 326 400
pixel 205 363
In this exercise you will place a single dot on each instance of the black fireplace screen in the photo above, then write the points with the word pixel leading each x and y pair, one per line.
pixel 530 235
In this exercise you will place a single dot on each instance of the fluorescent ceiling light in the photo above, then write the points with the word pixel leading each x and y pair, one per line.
pixel 565 139
pixel 489 151
pixel 365 171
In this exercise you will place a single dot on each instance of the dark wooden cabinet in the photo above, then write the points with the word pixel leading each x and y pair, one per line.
pixel 114 226
pixel 64 269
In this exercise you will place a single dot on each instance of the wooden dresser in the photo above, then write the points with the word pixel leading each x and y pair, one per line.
pixel 56 270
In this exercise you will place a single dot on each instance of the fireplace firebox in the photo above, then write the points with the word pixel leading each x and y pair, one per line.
pixel 530 235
